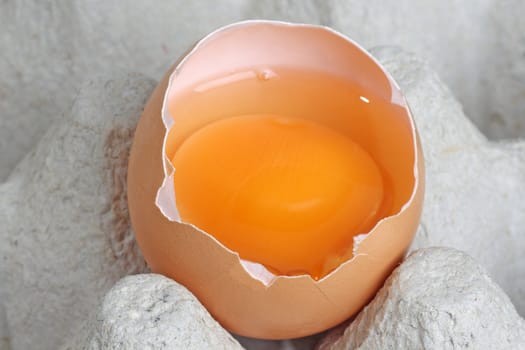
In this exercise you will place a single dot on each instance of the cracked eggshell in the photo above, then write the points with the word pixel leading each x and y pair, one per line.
pixel 242 299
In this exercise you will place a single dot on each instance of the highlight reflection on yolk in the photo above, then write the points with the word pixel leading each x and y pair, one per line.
pixel 281 191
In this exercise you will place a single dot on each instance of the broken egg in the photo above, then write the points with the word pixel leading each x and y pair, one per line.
pixel 276 172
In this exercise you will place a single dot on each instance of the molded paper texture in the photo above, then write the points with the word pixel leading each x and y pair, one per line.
pixel 48 51
pixel 474 201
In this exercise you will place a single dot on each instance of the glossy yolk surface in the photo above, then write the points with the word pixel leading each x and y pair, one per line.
pixel 281 191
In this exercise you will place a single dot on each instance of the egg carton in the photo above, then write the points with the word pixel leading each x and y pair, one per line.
pixel 48 51
pixel 65 238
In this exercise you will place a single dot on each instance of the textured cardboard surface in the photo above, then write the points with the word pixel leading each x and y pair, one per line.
pixel 475 188
pixel 49 49
pixel 439 298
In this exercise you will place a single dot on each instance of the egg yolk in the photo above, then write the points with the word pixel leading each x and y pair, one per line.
pixel 281 191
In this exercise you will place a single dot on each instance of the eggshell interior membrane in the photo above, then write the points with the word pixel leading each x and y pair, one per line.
pixel 243 296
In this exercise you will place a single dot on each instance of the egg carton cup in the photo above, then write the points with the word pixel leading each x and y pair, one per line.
pixel 66 239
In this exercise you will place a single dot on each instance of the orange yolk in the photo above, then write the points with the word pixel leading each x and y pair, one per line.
pixel 281 191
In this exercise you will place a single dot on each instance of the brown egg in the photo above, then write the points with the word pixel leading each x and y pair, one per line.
pixel 276 172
